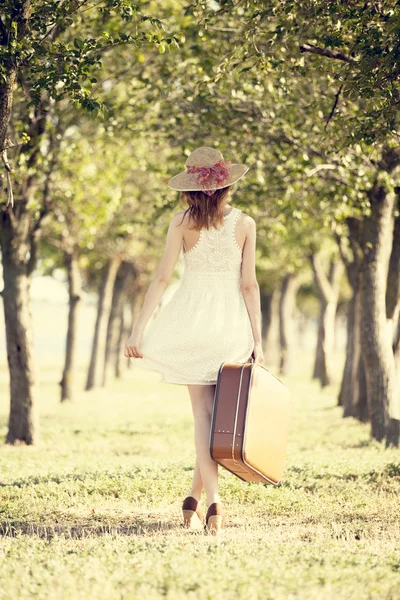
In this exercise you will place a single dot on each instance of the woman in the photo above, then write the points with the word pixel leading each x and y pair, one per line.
pixel 213 317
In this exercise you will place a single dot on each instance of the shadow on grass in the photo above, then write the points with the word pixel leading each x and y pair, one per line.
pixel 134 473
pixel 143 526
pixel 368 443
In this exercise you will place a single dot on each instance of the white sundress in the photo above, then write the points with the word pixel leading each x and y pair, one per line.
pixel 205 322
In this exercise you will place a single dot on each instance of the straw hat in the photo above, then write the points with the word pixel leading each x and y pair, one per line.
pixel 207 171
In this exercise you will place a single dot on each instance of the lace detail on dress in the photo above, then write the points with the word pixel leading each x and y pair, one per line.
pixel 214 251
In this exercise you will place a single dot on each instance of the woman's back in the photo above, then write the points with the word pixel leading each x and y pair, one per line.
pixel 216 254
pixel 191 236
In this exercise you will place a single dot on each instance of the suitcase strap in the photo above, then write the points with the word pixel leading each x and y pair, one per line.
pixel 236 414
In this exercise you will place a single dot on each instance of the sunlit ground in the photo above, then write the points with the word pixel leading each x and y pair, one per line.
pixel 93 511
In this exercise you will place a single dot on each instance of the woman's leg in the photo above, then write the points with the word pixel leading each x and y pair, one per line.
pixel 202 398
pixel 197 482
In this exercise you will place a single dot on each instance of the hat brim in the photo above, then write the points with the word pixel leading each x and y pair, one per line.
pixel 187 182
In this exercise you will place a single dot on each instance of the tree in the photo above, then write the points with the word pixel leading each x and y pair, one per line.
pixel 39 49
pixel 328 287
pixel 353 48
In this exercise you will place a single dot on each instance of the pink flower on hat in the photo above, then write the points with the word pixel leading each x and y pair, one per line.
pixel 206 176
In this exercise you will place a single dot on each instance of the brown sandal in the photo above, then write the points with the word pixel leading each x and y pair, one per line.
pixel 192 513
pixel 215 518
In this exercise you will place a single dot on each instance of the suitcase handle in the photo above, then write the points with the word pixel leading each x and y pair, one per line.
pixel 251 359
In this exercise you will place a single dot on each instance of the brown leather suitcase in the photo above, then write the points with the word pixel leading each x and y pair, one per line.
pixel 250 422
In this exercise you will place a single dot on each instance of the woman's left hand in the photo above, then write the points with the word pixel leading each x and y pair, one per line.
pixel 133 344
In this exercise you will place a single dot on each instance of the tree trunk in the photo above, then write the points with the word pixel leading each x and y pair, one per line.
pixel 396 351
pixel 393 436
pixel 328 288
pixel 20 233
pixel 393 316
pixel 344 398
pixel 376 345
pixel 120 343
pixel 287 303
pixel 350 389
pixel 96 366
pixel 74 291
pixel 132 301
pixel 23 422
pixel 6 102
pixel 137 295
pixel 270 326
pixel 319 371
pixel 353 392
pixel 361 408
pixel 266 301
pixel 121 286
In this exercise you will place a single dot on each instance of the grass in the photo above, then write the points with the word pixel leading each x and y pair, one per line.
pixel 93 511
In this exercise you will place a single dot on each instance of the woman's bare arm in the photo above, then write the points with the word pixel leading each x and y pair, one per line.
pixel 158 285
pixel 249 285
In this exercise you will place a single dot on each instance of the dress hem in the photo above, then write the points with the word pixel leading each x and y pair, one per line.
pixel 189 382
pixel 162 380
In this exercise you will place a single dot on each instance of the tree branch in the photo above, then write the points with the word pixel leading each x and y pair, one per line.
pixel 335 274
pixel 327 53
pixel 335 103
pixel 34 238
pixel 318 168
pixel 53 29
pixel 345 259
pixel 10 195
pixel 321 279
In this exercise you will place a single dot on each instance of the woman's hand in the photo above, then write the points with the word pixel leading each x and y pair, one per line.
pixel 258 354
pixel 133 344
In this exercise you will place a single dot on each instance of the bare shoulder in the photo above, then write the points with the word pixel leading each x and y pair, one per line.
pixel 247 222
pixel 176 219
